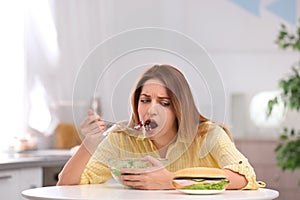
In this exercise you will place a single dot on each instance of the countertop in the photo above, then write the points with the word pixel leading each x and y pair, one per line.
pixel 33 158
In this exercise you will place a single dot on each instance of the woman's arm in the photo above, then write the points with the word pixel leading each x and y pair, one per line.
pixel 228 157
pixel 71 173
pixel 237 181
pixel 92 127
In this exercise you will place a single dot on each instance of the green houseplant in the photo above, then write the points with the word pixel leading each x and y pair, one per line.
pixel 288 150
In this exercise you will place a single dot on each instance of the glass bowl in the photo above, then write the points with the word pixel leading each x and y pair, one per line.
pixel 116 165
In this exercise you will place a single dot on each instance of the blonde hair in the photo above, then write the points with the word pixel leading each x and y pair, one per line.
pixel 189 120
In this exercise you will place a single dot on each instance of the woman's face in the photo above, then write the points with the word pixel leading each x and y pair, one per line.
pixel 155 105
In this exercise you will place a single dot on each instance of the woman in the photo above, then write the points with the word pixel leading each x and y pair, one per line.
pixel 178 132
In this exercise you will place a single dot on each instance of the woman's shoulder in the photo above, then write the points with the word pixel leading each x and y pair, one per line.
pixel 213 131
pixel 210 127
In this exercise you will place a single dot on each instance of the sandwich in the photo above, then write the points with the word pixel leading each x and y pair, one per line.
pixel 200 178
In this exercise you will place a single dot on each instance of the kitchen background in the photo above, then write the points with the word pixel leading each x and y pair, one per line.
pixel 238 36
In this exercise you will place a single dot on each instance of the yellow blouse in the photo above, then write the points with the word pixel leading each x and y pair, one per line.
pixel 214 149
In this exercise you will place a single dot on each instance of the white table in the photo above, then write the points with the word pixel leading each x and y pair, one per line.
pixel 116 191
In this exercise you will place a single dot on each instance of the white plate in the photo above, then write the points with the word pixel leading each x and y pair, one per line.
pixel 201 191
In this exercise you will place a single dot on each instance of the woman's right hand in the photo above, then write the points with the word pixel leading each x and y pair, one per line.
pixel 92 129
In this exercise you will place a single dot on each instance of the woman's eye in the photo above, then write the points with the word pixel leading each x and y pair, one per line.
pixel 144 100
pixel 165 103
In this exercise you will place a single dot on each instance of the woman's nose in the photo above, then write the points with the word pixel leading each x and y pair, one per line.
pixel 153 110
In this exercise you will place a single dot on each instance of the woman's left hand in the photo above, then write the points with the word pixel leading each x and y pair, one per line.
pixel 154 178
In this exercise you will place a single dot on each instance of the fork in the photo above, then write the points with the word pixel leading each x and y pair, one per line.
pixel 128 130
pixel 120 124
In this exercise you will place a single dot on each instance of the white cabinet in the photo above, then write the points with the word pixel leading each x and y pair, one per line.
pixel 13 182
pixel 8 183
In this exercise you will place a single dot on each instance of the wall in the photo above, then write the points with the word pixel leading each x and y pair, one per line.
pixel 238 37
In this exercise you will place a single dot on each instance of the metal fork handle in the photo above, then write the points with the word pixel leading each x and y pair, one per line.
pixel 130 131
pixel 109 124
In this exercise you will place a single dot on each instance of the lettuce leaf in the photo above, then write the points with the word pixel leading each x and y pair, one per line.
pixel 208 186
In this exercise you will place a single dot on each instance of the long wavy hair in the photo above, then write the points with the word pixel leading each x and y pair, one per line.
pixel 189 120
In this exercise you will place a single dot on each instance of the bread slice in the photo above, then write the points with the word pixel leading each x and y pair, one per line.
pixel 200 172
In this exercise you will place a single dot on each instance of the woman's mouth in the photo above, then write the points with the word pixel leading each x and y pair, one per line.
pixel 149 125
